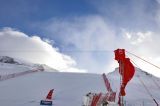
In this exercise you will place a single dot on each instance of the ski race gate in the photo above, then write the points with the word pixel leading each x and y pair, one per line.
pixel 126 70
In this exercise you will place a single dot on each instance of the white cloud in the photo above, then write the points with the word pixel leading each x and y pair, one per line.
pixel 136 38
pixel 140 33
pixel 33 49
pixel 86 34
pixel 89 33
pixel 145 45
pixel 132 14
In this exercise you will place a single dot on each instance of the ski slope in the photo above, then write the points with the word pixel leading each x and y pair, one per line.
pixel 28 90
pixel 136 94
pixel 69 88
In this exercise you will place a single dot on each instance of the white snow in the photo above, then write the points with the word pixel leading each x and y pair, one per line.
pixel 70 88
pixel 136 94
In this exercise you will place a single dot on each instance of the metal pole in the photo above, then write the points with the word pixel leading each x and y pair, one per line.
pixel 121 69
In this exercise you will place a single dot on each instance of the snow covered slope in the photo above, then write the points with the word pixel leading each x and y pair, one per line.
pixel 9 65
pixel 136 94
pixel 28 90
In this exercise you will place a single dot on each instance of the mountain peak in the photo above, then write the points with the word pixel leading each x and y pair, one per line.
pixel 7 59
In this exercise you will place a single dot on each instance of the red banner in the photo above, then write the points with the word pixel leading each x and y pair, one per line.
pixel 127 75
pixel 126 69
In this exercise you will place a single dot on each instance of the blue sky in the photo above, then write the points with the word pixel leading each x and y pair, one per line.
pixel 88 30
pixel 22 13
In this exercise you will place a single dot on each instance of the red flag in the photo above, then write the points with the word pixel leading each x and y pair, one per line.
pixel 127 75
pixel 126 69
pixel 49 96
pixel 119 54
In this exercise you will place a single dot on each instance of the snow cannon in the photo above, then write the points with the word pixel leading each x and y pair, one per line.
pixel 48 100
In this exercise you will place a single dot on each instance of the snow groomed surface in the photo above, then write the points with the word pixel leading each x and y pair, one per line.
pixel 69 88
